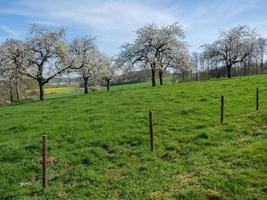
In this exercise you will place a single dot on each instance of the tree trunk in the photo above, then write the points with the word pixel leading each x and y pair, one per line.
pixel 228 68
pixel 256 62
pixel 153 77
pixel 262 65
pixel 161 77
pixel 85 82
pixel 41 91
pixel 17 90
pixel 10 94
pixel 108 84
pixel 248 67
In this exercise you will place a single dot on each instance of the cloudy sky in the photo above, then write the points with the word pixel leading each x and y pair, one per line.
pixel 113 22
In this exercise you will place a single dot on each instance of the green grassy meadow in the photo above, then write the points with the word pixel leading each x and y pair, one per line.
pixel 100 143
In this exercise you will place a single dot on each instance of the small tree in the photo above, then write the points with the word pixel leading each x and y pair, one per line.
pixel 47 55
pixel 109 69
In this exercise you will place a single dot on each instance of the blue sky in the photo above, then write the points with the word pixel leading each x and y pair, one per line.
pixel 113 22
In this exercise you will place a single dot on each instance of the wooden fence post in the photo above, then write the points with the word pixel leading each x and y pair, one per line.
pixel 222 109
pixel 257 99
pixel 44 161
pixel 151 131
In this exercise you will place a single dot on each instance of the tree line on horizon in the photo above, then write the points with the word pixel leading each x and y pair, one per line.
pixel 46 54
pixel 237 52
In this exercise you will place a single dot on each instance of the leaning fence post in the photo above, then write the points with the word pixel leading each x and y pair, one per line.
pixel 257 99
pixel 151 131
pixel 222 109
pixel 44 161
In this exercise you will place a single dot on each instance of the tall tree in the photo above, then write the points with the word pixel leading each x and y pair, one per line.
pixel 89 60
pixel 15 60
pixel 84 50
pixel 262 43
pixel 233 46
pixel 6 73
pixel 47 55
pixel 195 60
pixel 152 47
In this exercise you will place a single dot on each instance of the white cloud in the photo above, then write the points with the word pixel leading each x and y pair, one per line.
pixel 99 16
pixel 110 21
pixel 114 21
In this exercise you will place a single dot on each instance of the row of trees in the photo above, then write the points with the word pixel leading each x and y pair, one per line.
pixel 161 48
pixel 158 49
pixel 238 48
pixel 46 54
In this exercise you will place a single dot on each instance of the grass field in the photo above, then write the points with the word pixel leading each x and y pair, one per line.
pixel 56 90
pixel 100 143
pixel 60 90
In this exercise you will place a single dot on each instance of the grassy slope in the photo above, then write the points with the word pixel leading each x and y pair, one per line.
pixel 101 147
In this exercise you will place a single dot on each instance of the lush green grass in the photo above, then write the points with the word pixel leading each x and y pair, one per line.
pixel 100 143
